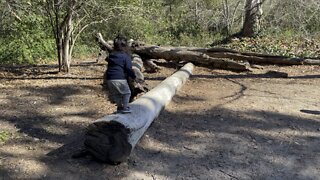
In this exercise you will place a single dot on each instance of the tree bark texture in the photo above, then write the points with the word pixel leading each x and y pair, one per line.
pixel 104 45
pixel 222 57
pixel 181 54
pixel 177 54
pixel 253 13
pixel 150 66
pixel 255 58
pixel 67 32
pixel 113 137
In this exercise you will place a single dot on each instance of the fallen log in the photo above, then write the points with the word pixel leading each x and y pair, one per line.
pixel 113 137
pixel 150 66
pixel 104 45
pixel 179 54
pixel 265 59
pixel 138 85
pixel 254 58
pixel 214 55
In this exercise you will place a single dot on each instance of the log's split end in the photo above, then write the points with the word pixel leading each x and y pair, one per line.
pixel 108 141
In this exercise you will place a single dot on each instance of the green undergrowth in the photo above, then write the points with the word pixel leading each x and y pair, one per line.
pixel 4 136
pixel 284 45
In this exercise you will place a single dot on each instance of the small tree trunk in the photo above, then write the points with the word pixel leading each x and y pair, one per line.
pixel 59 51
pixel 66 42
pixel 253 13
pixel 58 36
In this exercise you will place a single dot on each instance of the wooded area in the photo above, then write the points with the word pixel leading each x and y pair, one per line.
pixel 249 107
pixel 249 111
pixel 38 31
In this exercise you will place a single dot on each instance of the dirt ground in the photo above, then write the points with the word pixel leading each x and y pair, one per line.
pixel 220 125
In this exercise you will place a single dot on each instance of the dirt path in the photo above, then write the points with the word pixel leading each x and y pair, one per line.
pixel 221 125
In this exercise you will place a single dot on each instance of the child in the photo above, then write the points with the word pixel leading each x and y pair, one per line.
pixel 119 69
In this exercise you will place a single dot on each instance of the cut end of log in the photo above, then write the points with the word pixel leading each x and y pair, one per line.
pixel 108 141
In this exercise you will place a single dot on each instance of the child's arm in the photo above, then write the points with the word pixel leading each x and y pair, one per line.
pixel 128 68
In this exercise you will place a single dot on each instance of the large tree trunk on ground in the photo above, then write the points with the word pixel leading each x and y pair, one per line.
pixel 221 58
pixel 255 58
pixel 150 66
pixel 156 52
pixel 112 138
pixel 180 54
pixel 215 53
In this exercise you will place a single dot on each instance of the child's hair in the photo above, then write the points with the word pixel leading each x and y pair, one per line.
pixel 120 43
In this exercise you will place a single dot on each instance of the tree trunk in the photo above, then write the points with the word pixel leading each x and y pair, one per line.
pixel 222 58
pixel 56 29
pixel 112 138
pixel 181 54
pixel 104 45
pixel 62 27
pixel 253 13
pixel 150 66
pixel 219 57
pixel 59 52
pixel 67 33
pixel 255 58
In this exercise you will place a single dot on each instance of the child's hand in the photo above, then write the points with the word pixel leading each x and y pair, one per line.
pixel 139 81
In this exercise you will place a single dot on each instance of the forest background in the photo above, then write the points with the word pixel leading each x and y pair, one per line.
pixel 34 31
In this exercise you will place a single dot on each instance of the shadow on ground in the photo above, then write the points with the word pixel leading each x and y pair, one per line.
pixel 211 144
pixel 223 143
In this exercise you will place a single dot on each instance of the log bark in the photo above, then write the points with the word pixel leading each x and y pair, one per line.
pixel 104 45
pixel 256 58
pixel 138 85
pixel 177 54
pixel 181 54
pixel 253 58
pixel 252 20
pixel 150 66
pixel 221 58
pixel 113 137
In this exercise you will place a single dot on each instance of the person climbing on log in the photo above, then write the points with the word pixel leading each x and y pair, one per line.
pixel 118 71
pixel 136 86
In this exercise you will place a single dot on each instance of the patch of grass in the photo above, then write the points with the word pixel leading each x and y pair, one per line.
pixel 4 136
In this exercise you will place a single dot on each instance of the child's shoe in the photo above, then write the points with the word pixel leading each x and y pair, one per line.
pixel 126 110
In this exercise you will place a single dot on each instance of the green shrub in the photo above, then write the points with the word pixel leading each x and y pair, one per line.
pixel 26 42
pixel 4 136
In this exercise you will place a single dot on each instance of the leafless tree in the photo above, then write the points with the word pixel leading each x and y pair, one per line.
pixel 68 19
